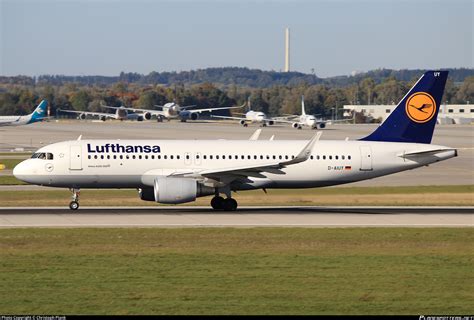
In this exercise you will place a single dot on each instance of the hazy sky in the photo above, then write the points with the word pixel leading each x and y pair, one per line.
pixel 333 37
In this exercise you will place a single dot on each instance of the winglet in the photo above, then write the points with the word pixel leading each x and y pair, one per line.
pixel 255 135
pixel 302 106
pixel 305 152
pixel 79 138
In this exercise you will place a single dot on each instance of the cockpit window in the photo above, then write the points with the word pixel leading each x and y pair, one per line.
pixel 42 155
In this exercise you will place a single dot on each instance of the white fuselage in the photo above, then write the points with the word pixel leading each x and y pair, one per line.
pixel 14 120
pixel 93 164
pixel 255 116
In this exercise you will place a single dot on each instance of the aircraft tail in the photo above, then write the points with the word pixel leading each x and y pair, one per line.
pixel 40 112
pixel 414 118
pixel 302 106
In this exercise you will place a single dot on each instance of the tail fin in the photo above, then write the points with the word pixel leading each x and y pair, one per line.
pixel 302 106
pixel 40 111
pixel 414 118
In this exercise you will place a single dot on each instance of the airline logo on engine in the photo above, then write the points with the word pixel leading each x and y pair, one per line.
pixel 119 148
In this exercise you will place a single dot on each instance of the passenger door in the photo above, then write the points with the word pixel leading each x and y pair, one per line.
pixel 75 158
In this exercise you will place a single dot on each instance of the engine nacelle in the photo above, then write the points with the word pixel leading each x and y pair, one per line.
pixel 271 122
pixel 242 122
pixel 174 190
pixel 147 115
pixel 295 125
pixel 194 115
pixel 82 116
pixel 322 125
pixel 102 118
pixel 140 118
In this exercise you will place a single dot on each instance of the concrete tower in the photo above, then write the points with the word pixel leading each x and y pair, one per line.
pixel 287 50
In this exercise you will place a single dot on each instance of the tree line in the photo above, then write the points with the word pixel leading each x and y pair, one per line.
pixel 322 98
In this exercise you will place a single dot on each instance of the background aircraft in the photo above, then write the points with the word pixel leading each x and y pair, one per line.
pixel 306 120
pixel 37 115
pixel 173 110
pixel 250 117
pixel 121 113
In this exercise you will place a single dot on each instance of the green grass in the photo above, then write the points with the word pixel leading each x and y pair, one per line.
pixel 237 271
pixel 10 163
pixel 421 196
pixel 10 180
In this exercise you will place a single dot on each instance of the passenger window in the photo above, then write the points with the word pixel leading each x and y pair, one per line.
pixel 274 157
pixel 330 157
pixel 311 157
pixel 152 157
pixel 261 157
pixel 165 157
pixel 204 156
pixel 95 156
pixel 324 157
pixel 337 157
pixel 146 156
pixel 292 157
pixel 171 157
pixel 286 157
pixel 177 157
pixel 242 157
pixel 187 157
pixel 133 157
pixel 127 157
pixel 255 157
pixel 248 157
pixel 280 157
pixel 342 157
pixel 349 157
pixel 223 157
pixel 108 156
pixel 121 156
pixel 159 157
pixel 217 157
pixel 268 157
pixel 210 157
pixel 317 157
pixel 89 156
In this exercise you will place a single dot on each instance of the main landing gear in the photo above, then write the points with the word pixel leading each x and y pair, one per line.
pixel 225 204
pixel 74 204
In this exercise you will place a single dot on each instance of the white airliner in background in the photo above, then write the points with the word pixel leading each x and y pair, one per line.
pixel 250 117
pixel 173 110
pixel 121 113
pixel 305 120
pixel 38 114
pixel 178 171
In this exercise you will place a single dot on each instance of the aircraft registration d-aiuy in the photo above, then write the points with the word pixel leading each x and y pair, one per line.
pixel 174 171
pixel 38 114
pixel 172 110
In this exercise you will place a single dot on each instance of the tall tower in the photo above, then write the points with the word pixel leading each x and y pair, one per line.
pixel 287 50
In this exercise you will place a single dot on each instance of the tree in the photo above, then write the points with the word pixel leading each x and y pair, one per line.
pixel 80 100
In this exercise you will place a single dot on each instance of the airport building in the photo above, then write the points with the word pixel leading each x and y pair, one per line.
pixel 448 114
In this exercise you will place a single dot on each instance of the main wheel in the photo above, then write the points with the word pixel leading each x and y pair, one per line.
pixel 230 204
pixel 245 125
pixel 217 203
pixel 73 205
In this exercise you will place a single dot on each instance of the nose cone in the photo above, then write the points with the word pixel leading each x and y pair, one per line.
pixel 22 171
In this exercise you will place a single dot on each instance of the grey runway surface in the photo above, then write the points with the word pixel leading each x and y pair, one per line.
pixel 245 217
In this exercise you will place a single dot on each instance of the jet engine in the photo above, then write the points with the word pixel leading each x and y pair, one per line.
pixel 174 190
pixel 102 118
pixel 187 115
pixel 147 115
pixel 322 125
pixel 82 116
pixel 271 122
pixel 243 122
pixel 295 125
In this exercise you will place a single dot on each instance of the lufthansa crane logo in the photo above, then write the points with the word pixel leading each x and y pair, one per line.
pixel 420 107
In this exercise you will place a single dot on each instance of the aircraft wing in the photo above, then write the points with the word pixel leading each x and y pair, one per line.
pixel 214 109
pixel 90 113
pixel 229 174
pixel 153 112
pixel 225 117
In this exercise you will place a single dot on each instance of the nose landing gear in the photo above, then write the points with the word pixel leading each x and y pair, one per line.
pixel 74 204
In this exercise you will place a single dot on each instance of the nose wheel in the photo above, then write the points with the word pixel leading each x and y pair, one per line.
pixel 74 204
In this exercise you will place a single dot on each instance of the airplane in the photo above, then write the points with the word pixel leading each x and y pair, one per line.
pixel 121 113
pixel 38 114
pixel 173 110
pixel 250 117
pixel 304 119
pixel 179 171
